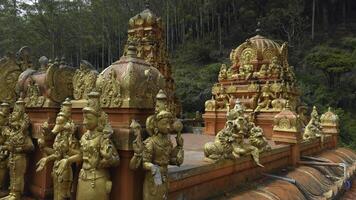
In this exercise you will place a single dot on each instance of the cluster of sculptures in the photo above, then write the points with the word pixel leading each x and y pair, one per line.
pixel 246 70
pixel 155 153
pixel 239 137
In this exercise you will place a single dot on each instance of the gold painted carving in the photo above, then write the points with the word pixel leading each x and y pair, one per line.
pixel 65 145
pixel 313 128
pixel 33 95
pixel 18 143
pixel 157 151
pixel 110 90
pixel 230 142
pixel 329 119
pixel 84 80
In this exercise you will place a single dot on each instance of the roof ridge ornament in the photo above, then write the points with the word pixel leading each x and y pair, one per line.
pixel 147 4
pixel 258 28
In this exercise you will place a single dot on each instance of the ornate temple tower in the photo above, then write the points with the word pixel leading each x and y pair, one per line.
pixel 260 77
pixel 146 33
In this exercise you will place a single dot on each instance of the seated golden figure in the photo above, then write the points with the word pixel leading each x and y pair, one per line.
pixel 274 68
pixel 264 101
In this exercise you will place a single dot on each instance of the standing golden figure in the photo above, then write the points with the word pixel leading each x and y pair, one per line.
pixel 17 143
pixel 4 120
pixel 97 152
pixel 65 145
pixel 158 151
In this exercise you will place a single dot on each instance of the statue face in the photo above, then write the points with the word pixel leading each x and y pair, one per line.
pixel 60 121
pixel 90 121
pixel 164 126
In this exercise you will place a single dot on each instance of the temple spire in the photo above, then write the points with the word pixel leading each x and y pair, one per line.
pixel 258 29
pixel 147 4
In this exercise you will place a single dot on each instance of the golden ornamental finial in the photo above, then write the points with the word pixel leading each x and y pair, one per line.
pixel 147 4
pixel 258 29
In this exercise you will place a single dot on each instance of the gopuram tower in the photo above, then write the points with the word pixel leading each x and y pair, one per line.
pixel 260 77
pixel 145 31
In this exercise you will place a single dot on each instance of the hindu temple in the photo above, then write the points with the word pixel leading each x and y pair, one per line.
pixel 71 132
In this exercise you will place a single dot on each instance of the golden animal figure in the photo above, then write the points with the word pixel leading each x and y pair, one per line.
pixel 230 143
pixel 18 144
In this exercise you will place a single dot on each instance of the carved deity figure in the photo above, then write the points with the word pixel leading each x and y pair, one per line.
pixel 17 143
pixel 4 115
pixel 265 99
pixel 263 71
pixel 97 153
pixel 158 152
pixel 110 91
pixel 65 145
pixel 274 68
pixel 313 128
pixel 84 80
pixel 223 72
pixel 33 95
pixel 230 142
pixel 246 68
pixel 222 98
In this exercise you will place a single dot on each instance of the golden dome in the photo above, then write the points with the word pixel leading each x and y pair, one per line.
pixel 259 48
pixel 329 118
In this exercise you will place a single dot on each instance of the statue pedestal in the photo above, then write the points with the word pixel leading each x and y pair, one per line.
pixel 39 183
pixel 266 121
pixel 333 131
pixel 214 121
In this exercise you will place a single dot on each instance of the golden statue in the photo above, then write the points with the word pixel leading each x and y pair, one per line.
pixel 222 98
pixel 97 152
pixel 263 71
pixel 265 99
pixel 230 142
pixel 274 68
pixel 33 95
pixel 17 143
pixel 313 128
pixel 257 139
pixel 223 72
pixel 84 80
pixel 4 115
pixel 158 151
pixel 65 145
pixel 246 68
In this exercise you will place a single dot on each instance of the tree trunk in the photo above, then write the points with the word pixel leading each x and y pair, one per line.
pixel 313 20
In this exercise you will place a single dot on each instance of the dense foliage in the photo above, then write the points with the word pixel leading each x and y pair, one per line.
pixel 200 36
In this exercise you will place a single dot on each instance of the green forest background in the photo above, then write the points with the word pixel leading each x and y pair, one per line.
pixel 199 36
